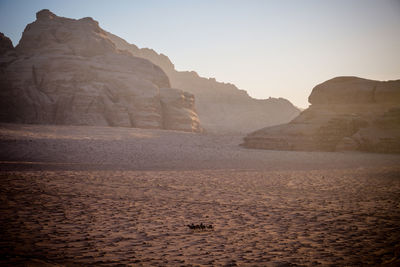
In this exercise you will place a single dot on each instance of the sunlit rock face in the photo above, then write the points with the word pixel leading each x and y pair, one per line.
pixel 67 71
pixel 347 113
pixel 222 107
pixel 178 109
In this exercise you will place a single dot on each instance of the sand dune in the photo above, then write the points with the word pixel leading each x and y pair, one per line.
pixel 108 196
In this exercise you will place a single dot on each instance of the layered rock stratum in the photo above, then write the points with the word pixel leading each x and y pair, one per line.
pixel 346 113
pixel 67 71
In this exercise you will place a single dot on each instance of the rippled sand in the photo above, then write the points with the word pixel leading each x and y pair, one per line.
pixel 92 201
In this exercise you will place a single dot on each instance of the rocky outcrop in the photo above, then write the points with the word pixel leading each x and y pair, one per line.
pixel 222 107
pixel 67 71
pixel 347 113
pixel 178 109
pixel 7 52
pixel 5 44
pixel 353 90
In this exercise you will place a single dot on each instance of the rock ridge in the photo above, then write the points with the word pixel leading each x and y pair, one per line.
pixel 67 71
pixel 222 107
pixel 347 114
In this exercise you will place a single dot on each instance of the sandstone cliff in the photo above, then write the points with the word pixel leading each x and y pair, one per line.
pixel 67 71
pixel 347 113
pixel 222 107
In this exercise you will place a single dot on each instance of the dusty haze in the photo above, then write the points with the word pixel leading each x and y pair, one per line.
pixel 111 154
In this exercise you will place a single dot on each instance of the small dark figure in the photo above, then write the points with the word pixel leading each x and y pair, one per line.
pixel 191 226
pixel 200 226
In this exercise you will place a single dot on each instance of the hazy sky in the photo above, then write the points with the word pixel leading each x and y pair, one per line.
pixel 269 48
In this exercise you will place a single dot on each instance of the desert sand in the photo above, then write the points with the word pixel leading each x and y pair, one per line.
pixel 78 195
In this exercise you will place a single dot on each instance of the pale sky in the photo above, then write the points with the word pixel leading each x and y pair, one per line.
pixel 268 48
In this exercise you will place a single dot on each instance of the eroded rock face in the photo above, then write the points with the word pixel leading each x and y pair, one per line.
pixel 354 90
pixel 68 71
pixel 347 114
pixel 222 107
pixel 178 109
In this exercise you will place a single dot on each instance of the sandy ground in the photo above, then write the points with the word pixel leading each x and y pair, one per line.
pixel 117 196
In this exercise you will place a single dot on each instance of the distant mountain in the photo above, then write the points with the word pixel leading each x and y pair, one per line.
pixel 222 107
pixel 347 113
pixel 67 71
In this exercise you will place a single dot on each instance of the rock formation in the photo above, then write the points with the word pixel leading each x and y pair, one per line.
pixel 222 107
pixel 179 110
pixel 347 113
pixel 67 71
pixel 5 44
